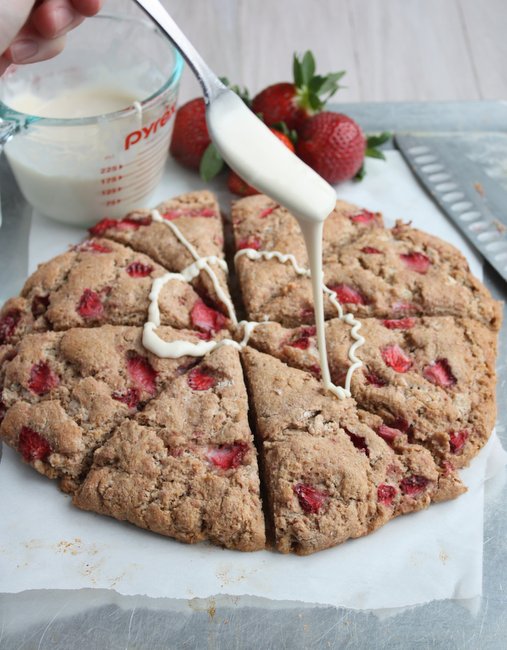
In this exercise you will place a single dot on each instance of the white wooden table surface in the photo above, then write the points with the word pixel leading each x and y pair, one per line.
pixel 392 50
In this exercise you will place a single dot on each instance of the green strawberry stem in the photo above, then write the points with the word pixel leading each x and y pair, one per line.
pixel 313 90
pixel 211 164
pixel 372 151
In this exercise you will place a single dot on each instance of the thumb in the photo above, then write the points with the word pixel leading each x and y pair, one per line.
pixel 13 15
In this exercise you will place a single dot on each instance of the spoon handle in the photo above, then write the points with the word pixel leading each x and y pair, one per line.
pixel 211 84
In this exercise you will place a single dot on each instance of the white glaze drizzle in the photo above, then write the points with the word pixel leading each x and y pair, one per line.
pixel 156 216
pixel 177 349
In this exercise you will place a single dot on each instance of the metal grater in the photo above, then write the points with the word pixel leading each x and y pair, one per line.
pixel 466 175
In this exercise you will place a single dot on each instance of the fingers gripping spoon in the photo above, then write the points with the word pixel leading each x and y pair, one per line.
pixel 250 148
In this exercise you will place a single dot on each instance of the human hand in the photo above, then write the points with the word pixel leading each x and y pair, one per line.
pixel 34 30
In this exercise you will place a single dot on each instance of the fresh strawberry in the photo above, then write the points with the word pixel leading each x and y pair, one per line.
pixel 389 434
pixel 365 216
pixel 138 269
pixel 238 186
pixel 207 319
pixel 190 137
pixel 414 485
pixel 348 295
pixel 127 223
pixel 440 373
pixel 386 494
pixel 42 378
pixel 302 340
pixel 293 103
pixel 310 499
pixel 142 375
pixel 32 445
pixel 130 397
pixel 90 246
pixel 418 262
pixel 249 242
pixel 395 358
pixel 333 145
pixel 399 323
pixel 457 440
pixel 39 305
pixel 227 456
pixel 200 379
pixel 267 211
pixel 370 250
pixel 90 305
pixel 8 324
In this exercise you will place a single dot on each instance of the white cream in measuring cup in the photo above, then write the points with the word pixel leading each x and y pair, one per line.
pixel 251 150
pixel 98 120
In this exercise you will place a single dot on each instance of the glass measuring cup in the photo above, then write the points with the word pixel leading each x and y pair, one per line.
pixel 80 169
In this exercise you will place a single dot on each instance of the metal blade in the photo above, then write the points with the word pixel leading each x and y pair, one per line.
pixel 466 184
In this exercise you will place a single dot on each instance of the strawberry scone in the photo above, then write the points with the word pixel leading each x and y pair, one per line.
pixel 98 282
pixel 329 476
pixel 174 235
pixel 432 379
pixel 186 465
pixel 274 289
pixel 374 271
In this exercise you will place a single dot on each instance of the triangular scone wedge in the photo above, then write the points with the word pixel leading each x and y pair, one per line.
pixel 65 392
pixel 270 288
pixel 185 467
pixel 328 475
pixel 432 379
pixel 197 217
pixel 102 282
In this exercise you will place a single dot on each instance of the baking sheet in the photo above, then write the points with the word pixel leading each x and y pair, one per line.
pixel 430 555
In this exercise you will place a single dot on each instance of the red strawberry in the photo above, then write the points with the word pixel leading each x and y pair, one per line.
pixel 227 456
pixel 142 375
pixel 90 306
pixel 369 250
pixel 3 410
pixel 399 323
pixel 315 370
pixel 293 103
pixel 348 295
pixel 302 342
pixel 310 499
pixel 8 324
pixel 90 246
pixel 414 485
pixel 39 305
pixel 395 358
pixel 374 379
pixel 139 270
pixel 200 379
pixel 267 211
pixel 333 145
pixel 358 441
pixel 190 137
pixel 457 440
pixel 386 494
pixel 207 319
pixel 250 242
pixel 440 373
pixel 130 397
pixel 42 378
pixel 127 223
pixel 389 434
pixel 365 216
pixel 32 445
pixel 238 186
pixel 417 262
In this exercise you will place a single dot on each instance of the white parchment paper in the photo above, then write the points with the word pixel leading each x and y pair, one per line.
pixel 435 554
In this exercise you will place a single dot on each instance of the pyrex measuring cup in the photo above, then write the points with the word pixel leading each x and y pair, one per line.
pixel 78 170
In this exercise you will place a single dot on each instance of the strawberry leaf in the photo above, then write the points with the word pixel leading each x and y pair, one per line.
pixel 211 163
pixel 313 90
pixel 374 141
pixel 374 153
pixel 330 84
pixel 360 174
pixel 308 67
pixel 297 71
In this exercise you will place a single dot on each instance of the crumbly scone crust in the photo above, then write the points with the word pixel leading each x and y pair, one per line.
pixel 166 444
